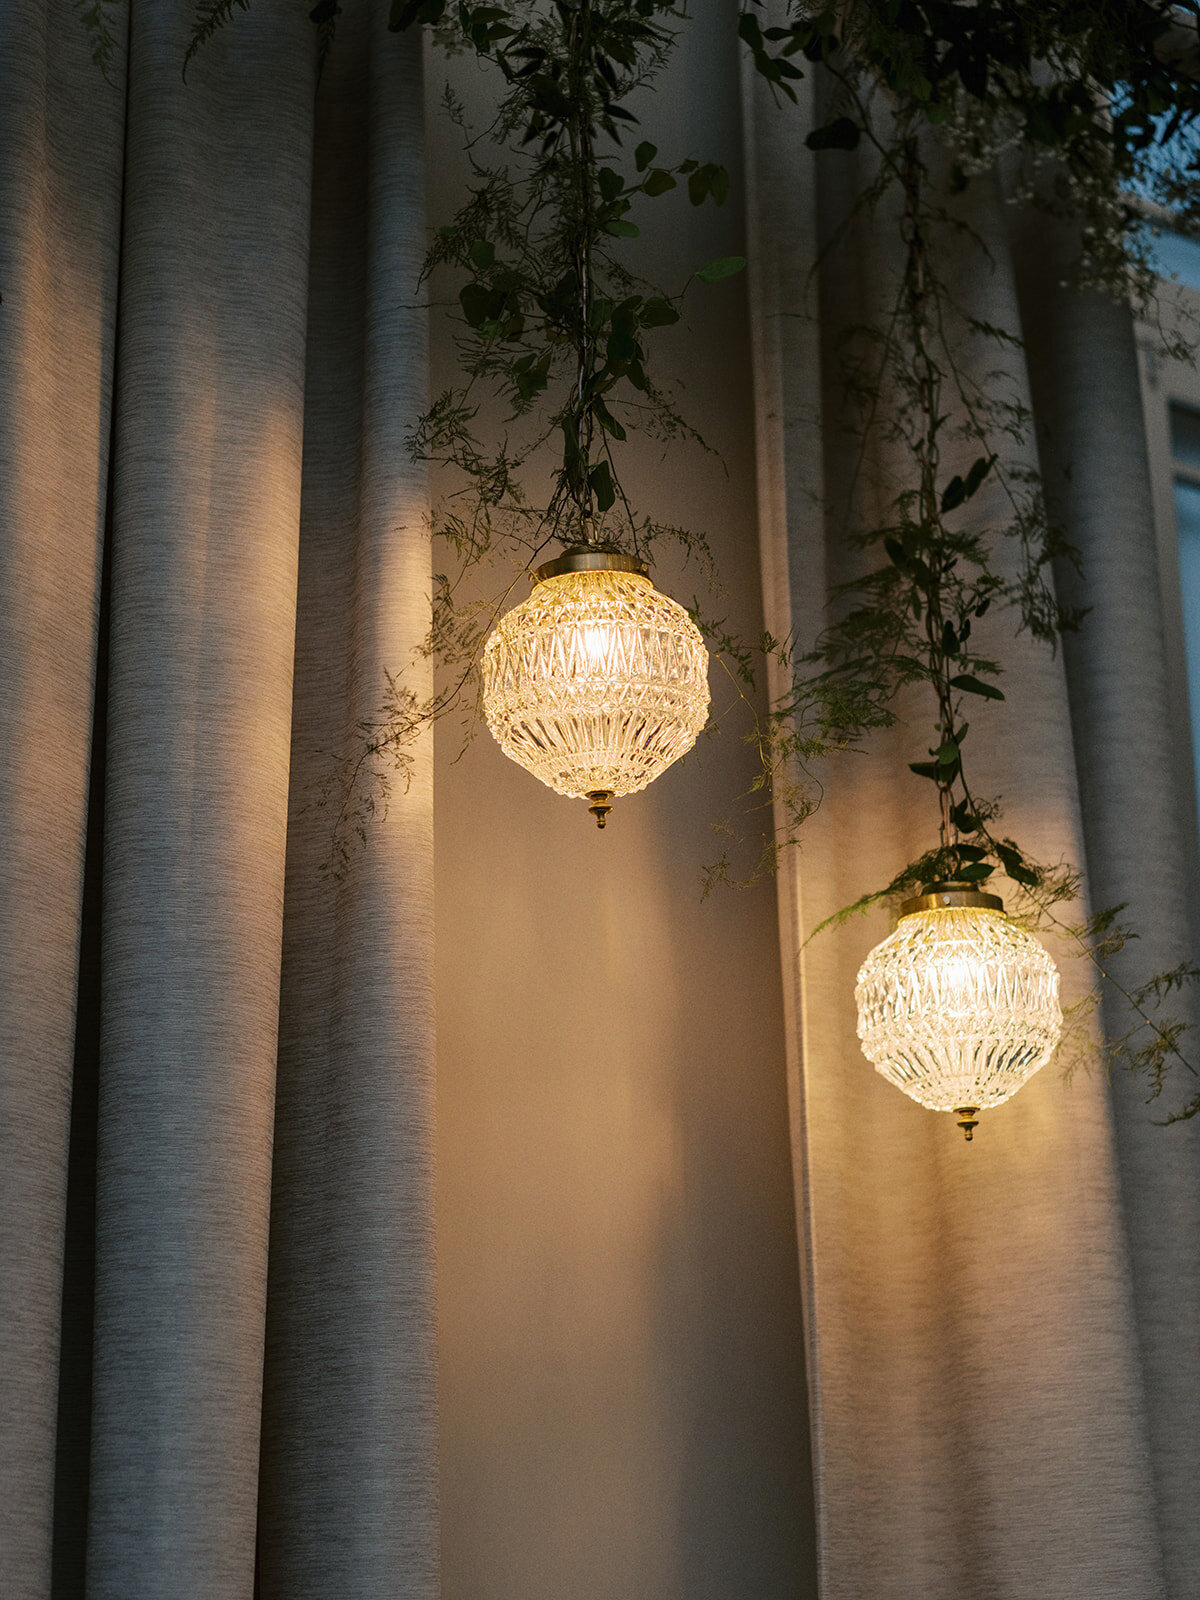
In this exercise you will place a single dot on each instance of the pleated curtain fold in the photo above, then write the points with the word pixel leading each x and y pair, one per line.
pixel 214 542
pixel 216 1047
pixel 1002 1336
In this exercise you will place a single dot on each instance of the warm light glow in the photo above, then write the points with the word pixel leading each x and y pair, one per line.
pixel 596 684
pixel 958 1007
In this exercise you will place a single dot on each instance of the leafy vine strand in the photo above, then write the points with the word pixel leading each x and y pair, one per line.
pixel 1090 111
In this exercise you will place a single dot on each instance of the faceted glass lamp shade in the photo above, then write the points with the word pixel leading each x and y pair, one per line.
pixel 959 1006
pixel 597 682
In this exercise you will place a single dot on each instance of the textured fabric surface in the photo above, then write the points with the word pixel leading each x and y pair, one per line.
pixel 60 183
pixel 991 1417
pixel 348 1486
pixel 259 510
pixel 1083 369
pixel 205 513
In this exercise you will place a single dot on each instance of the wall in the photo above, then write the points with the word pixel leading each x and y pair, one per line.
pixel 623 1405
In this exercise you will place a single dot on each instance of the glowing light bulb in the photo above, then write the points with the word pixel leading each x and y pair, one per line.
pixel 597 643
pixel 597 682
pixel 958 1006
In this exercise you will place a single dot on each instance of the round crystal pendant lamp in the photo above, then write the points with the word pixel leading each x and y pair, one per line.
pixel 597 682
pixel 959 1006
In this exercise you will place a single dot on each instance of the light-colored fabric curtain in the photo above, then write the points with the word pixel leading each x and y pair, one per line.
pixel 60 197
pixel 233 262
pixel 1002 1335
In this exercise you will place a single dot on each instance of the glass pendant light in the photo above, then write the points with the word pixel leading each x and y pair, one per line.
pixel 959 1006
pixel 597 682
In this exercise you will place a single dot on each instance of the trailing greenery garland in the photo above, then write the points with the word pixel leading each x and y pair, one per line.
pixel 556 331
pixel 1079 102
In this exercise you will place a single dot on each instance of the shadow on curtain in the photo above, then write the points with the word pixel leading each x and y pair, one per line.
pixel 212 542
pixel 213 539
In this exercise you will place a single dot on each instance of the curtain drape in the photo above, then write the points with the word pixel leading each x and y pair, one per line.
pixel 1002 1337
pixel 216 1310
pixel 213 539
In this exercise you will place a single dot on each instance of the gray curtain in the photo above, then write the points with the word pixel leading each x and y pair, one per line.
pixel 1002 1337
pixel 215 1210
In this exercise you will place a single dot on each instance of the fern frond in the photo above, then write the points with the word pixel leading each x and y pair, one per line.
pixel 209 18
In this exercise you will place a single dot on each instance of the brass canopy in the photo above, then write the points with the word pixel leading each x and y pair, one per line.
pixel 937 896
pixel 591 558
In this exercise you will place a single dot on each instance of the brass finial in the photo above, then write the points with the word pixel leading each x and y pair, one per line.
pixel 601 804
pixel 968 1118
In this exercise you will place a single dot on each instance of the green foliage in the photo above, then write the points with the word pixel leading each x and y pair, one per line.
pixel 722 267
pixel 1089 107
pixel 1097 98
pixel 555 320
pixel 1082 101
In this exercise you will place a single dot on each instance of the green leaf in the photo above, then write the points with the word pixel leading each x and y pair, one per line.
pixel 644 155
pixel 572 455
pixel 709 179
pixel 926 769
pixel 610 181
pixel 970 685
pixel 1013 863
pixel 946 754
pixel 659 181
pixel 601 484
pixel 843 133
pixel 476 303
pixel 529 379
pixel 622 230
pixel 482 254
pixel 975 872
pixel 722 267
pixel 405 12
pixel 657 313
pixel 964 819
pixel 608 422
pixel 622 347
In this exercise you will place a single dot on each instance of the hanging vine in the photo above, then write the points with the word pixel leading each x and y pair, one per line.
pixel 1092 111
pixel 1079 103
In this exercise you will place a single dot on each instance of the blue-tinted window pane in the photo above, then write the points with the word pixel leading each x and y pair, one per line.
pixel 1187 517
pixel 1174 255
pixel 1185 436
